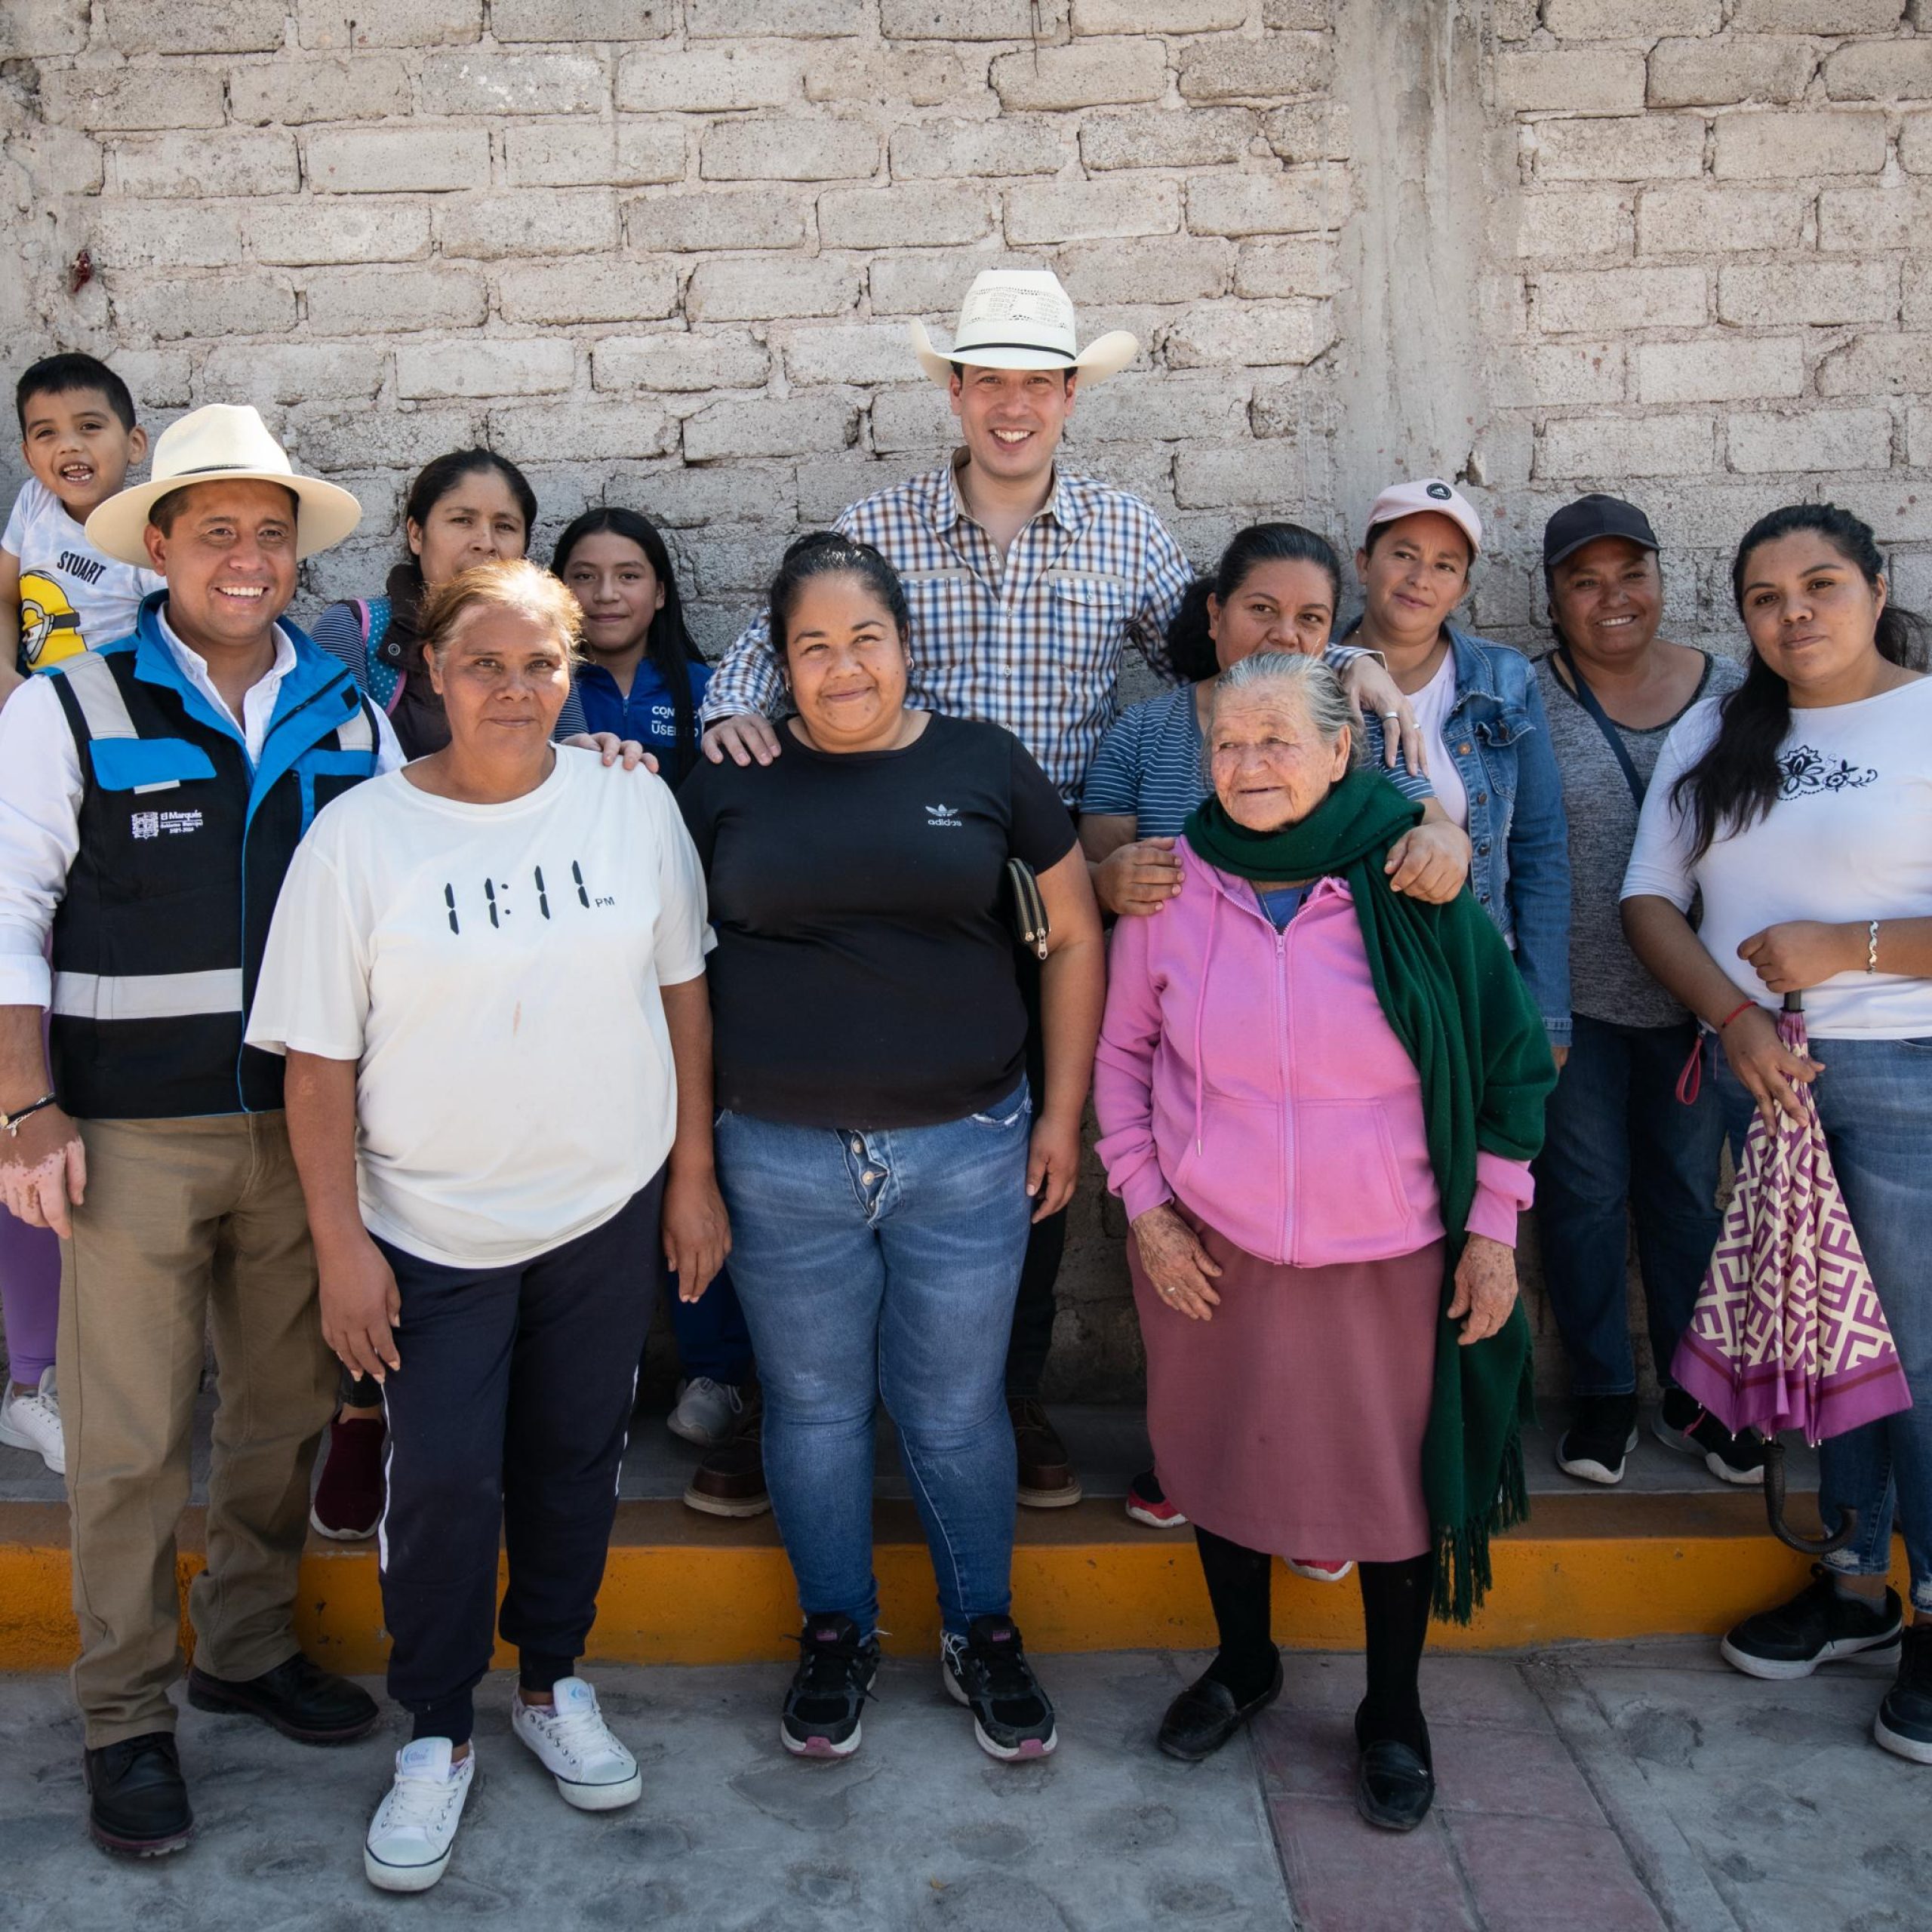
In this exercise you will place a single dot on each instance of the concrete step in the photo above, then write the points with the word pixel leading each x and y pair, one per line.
pixel 1670 1553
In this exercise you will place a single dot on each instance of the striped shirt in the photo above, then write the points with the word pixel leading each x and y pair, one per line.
pixel 1152 767
pixel 1033 640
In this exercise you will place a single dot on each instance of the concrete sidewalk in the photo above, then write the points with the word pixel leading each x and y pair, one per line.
pixel 1595 1788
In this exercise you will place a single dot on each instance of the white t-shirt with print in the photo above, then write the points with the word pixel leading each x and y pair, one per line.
pixel 1432 705
pixel 1847 839
pixel 493 970
pixel 73 597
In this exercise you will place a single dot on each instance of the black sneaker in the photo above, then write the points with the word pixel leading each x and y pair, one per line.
pixel 1904 1723
pixel 829 1689
pixel 1681 1425
pixel 986 1670
pixel 1602 1432
pixel 137 1799
pixel 1818 1626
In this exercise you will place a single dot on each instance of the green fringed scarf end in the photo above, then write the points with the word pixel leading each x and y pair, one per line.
pixel 1462 1573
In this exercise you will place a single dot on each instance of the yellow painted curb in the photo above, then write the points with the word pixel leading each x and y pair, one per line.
pixel 682 1590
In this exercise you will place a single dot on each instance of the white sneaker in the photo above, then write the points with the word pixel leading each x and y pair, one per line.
pixel 407 1849
pixel 706 1412
pixel 33 1421
pixel 572 1742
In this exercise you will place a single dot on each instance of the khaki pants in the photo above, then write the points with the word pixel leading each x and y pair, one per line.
pixel 189 1226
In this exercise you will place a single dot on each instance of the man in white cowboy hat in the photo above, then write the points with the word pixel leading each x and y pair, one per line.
pixel 1027 585
pixel 153 792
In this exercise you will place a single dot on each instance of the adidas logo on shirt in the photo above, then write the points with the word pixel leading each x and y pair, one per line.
pixel 943 815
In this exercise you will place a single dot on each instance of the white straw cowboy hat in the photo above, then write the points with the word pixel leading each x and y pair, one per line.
pixel 1021 319
pixel 222 441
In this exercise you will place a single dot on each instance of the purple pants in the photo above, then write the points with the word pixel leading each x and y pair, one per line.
pixel 29 1295
pixel 29 1290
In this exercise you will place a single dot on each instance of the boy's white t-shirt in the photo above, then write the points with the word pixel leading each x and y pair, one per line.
pixel 493 970
pixel 1848 839
pixel 72 597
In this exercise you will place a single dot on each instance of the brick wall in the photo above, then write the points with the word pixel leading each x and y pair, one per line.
pixel 664 252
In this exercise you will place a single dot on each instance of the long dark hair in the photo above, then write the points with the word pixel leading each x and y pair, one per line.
pixel 435 481
pixel 1190 650
pixel 1736 782
pixel 828 553
pixel 667 644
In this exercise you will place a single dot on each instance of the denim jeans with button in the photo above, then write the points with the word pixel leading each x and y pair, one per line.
pixel 1874 1101
pixel 1618 1145
pixel 882 1264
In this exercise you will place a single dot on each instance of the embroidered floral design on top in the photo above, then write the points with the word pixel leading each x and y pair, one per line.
pixel 1805 772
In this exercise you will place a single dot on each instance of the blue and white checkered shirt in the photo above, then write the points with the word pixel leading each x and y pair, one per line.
pixel 1033 641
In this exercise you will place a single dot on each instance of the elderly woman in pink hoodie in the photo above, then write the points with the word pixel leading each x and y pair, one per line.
pixel 1319 1100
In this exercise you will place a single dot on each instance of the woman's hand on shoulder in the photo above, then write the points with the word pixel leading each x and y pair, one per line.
pixel 1370 688
pixel 1485 1288
pixel 360 1305
pixel 697 1232
pixel 610 748
pixel 1429 862
pixel 1181 1271
pixel 1139 878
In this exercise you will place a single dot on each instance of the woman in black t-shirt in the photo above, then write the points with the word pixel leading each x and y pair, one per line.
pixel 874 1144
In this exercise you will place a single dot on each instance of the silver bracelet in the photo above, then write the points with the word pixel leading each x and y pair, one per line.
pixel 1872 947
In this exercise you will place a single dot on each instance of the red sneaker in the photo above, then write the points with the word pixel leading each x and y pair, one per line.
pixel 348 1499
pixel 1315 1572
pixel 1147 1503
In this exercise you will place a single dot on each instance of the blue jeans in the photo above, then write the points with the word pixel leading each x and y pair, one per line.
pixel 882 1265
pixel 1617 1142
pixel 1874 1100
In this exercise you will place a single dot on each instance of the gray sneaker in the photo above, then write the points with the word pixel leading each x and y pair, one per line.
pixel 707 1411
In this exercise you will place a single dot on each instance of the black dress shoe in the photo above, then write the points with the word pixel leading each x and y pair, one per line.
pixel 137 1799
pixel 1205 1715
pixel 301 1699
pixel 1394 1787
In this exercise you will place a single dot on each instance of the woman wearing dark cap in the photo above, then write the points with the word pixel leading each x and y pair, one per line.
pixel 1618 1141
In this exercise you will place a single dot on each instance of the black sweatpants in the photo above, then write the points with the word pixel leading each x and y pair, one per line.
pixel 509 1411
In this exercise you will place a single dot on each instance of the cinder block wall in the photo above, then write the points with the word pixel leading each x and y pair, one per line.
pixel 663 254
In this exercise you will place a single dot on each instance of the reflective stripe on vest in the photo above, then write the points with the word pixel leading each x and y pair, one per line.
pixel 147 995
pixel 99 696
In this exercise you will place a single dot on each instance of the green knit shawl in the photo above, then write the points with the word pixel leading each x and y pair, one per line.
pixel 1450 989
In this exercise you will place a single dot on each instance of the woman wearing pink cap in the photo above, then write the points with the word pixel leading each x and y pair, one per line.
pixel 1484 731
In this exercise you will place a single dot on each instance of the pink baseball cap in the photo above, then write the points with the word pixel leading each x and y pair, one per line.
pixel 1431 494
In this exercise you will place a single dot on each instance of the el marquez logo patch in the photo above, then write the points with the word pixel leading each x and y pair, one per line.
pixel 156 825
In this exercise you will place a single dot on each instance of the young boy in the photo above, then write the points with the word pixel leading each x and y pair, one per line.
pixel 58 594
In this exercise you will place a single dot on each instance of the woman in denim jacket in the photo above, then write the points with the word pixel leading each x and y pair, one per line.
pixel 1484 728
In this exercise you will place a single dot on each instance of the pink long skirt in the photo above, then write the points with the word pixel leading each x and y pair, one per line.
pixel 1293 1421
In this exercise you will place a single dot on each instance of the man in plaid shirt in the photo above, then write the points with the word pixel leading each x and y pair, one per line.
pixel 1026 587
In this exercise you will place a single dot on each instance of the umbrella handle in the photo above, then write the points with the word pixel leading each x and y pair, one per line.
pixel 1805 1545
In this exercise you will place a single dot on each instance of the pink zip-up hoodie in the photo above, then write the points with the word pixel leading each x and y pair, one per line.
pixel 1251 1075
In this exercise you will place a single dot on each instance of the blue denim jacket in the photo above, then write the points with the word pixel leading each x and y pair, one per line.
pixel 1519 861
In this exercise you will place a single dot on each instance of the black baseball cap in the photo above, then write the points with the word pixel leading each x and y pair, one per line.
pixel 1589 517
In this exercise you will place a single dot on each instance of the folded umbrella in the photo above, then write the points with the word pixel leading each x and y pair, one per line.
pixel 1788 1332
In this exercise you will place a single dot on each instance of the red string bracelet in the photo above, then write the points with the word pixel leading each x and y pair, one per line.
pixel 1742 1006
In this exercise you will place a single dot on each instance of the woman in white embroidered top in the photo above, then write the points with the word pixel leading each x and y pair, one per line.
pixel 489 981
pixel 1799 806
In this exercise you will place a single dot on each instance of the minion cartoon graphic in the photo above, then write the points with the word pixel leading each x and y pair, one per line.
pixel 50 627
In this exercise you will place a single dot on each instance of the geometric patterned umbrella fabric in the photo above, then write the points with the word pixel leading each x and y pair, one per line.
pixel 1788 1332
